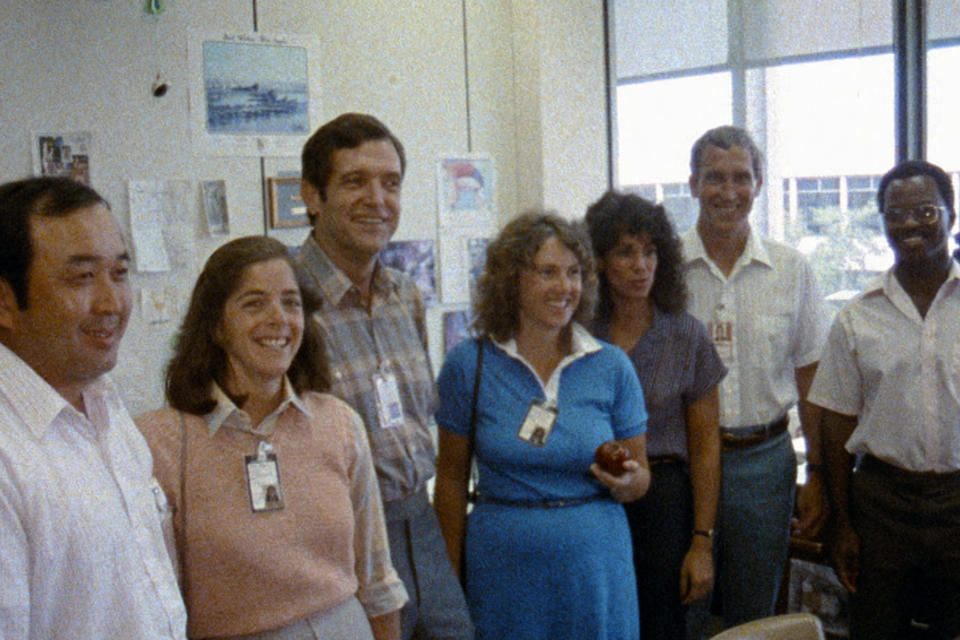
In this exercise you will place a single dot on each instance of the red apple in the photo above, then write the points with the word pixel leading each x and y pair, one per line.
pixel 611 455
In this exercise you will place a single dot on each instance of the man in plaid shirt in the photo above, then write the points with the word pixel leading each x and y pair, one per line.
pixel 372 321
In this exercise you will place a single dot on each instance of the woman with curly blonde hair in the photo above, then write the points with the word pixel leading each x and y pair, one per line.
pixel 547 545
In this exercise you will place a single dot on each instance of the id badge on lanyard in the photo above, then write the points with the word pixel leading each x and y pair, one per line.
pixel 724 340
pixel 263 479
pixel 538 423
pixel 387 394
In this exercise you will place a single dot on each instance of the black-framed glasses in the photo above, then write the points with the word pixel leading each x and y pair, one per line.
pixel 924 214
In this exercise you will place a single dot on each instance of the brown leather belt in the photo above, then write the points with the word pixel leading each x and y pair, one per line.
pixel 746 437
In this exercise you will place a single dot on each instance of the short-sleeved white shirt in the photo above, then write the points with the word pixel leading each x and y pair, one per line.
pixel 767 319
pixel 898 373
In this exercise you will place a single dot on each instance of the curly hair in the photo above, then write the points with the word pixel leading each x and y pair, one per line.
pixel 497 308
pixel 910 169
pixel 198 360
pixel 617 214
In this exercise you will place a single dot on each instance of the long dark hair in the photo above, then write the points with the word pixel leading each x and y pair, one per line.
pixel 616 214
pixel 198 360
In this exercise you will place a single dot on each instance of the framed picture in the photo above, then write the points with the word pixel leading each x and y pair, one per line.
pixel 287 209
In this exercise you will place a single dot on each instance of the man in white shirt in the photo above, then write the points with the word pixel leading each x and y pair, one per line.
pixel 83 553
pixel 889 385
pixel 760 301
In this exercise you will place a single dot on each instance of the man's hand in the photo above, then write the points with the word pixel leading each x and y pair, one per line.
pixel 696 574
pixel 812 508
pixel 845 555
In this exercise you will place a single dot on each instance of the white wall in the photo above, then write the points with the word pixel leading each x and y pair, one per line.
pixel 536 103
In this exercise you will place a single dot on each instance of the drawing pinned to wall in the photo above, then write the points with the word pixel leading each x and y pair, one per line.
pixel 253 93
pixel 414 258
pixel 214 197
pixel 286 208
pixel 465 190
pixel 477 260
pixel 161 240
pixel 155 304
pixel 456 329
pixel 63 154
pixel 463 259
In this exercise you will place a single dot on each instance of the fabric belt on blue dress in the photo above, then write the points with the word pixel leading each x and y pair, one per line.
pixel 547 503
pixel 745 437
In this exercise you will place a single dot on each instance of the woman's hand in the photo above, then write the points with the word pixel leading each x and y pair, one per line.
pixel 633 483
pixel 630 485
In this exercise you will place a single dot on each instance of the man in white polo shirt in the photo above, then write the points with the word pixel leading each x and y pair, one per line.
pixel 82 551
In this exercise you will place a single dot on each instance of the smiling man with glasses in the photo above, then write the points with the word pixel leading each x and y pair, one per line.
pixel 889 384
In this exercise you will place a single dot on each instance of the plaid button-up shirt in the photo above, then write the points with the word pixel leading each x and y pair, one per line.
pixel 390 339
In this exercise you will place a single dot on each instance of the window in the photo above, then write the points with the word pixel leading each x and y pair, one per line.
pixel 814 85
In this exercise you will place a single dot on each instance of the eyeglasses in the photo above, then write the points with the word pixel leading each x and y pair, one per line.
pixel 924 214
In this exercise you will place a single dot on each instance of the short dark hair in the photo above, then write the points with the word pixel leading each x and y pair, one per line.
pixel 911 168
pixel 726 137
pixel 497 306
pixel 346 131
pixel 198 360
pixel 45 196
pixel 617 214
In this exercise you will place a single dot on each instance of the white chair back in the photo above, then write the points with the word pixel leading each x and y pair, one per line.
pixel 790 626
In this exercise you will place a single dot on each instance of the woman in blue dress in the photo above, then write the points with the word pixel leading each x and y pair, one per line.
pixel 547 545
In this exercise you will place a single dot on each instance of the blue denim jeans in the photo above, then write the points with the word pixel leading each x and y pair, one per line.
pixel 753 528
pixel 437 609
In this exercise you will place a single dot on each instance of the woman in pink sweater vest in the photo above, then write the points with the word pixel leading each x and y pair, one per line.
pixel 277 516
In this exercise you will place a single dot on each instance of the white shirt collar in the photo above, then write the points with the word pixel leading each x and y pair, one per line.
pixel 39 404
pixel 891 287
pixel 581 344
pixel 755 249
pixel 230 415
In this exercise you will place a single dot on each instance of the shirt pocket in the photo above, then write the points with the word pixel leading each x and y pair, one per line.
pixel 774 337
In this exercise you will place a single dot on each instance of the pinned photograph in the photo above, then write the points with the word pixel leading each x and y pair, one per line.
pixel 414 258
pixel 64 155
pixel 214 196
pixel 254 93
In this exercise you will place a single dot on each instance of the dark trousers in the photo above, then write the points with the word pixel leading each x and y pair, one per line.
pixel 437 609
pixel 661 524
pixel 909 528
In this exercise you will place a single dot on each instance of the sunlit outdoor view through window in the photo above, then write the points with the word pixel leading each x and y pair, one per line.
pixel 827 129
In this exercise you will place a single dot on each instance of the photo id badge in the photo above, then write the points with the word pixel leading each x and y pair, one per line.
pixel 722 334
pixel 387 394
pixel 538 424
pixel 263 480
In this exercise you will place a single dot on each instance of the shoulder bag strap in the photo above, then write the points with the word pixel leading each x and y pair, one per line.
pixel 472 434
